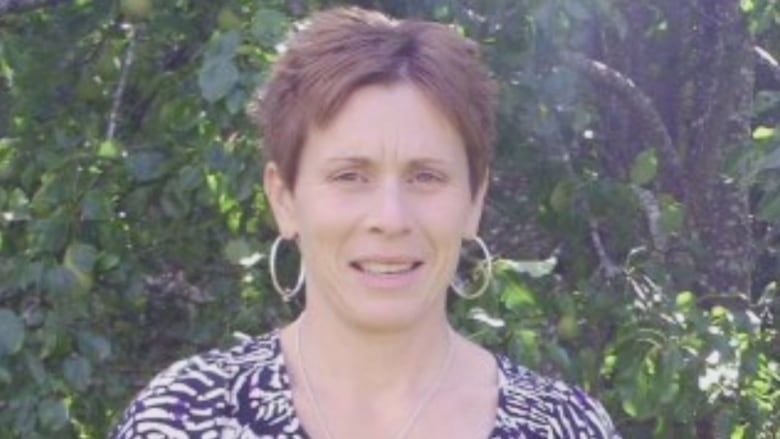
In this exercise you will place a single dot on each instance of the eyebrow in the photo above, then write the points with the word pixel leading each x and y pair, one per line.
pixel 356 160
pixel 363 161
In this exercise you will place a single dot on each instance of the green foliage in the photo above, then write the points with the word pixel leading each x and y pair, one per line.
pixel 660 358
pixel 644 168
pixel 106 233
pixel 12 330
pixel 133 229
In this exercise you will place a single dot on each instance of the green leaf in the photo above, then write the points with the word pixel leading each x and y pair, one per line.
pixel 35 368
pixel 174 200
pixel 108 149
pixel 60 281
pixel 52 336
pixel 51 234
pixel 228 20
pixel 769 207
pixel 52 414
pixel 739 432
pixel 28 274
pixel 629 407
pixel 216 78
pixel 96 206
pixel 559 356
pixel 237 250
pixel 766 101
pixel 77 371
pixel 769 161
pixel 146 166
pixel 685 300
pixel 671 364
pixel 49 195
pixel 107 261
pixel 11 332
pixel 535 269
pixel 562 196
pixel 190 177
pixel 269 26
pixel 18 206
pixel 527 344
pixel 517 296
pixel 236 101
pixel 644 168
pixel 672 215
pixel 80 258
pixel 763 133
pixel 94 346
pixel 224 46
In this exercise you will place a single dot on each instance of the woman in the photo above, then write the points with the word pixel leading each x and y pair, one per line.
pixel 377 134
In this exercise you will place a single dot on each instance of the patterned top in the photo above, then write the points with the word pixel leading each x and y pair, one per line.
pixel 244 393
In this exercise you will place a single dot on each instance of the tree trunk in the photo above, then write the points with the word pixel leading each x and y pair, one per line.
pixel 722 84
pixel 699 76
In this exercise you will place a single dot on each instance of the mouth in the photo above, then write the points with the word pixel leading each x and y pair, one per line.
pixel 386 268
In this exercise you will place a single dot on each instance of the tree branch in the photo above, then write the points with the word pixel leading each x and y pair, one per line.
pixel 767 60
pixel 649 204
pixel 606 265
pixel 639 102
pixel 127 61
pixel 625 88
pixel 17 6
pixel 611 269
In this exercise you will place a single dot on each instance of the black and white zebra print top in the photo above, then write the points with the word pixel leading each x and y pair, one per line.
pixel 244 393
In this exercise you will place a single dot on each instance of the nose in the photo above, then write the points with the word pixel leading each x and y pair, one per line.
pixel 389 212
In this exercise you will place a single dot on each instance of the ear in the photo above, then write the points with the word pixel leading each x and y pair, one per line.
pixel 475 213
pixel 281 199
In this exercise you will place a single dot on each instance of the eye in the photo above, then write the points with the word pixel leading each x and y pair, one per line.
pixel 428 177
pixel 348 177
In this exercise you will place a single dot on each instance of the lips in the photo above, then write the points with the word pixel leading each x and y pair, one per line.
pixel 385 267
pixel 387 273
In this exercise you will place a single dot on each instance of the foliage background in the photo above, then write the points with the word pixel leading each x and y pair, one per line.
pixel 634 205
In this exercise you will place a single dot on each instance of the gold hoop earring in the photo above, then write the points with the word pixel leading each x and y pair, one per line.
pixel 287 294
pixel 486 267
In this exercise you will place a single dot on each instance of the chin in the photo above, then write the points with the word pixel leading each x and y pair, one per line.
pixel 397 314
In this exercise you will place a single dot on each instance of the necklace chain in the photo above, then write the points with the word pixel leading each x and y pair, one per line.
pixel 404 432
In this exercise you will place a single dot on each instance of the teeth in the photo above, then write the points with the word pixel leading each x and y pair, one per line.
pixel 380 268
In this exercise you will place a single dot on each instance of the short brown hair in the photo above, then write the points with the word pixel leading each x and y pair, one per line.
pixel 344 49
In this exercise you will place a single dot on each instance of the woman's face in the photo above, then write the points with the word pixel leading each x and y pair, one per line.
pixel 381 205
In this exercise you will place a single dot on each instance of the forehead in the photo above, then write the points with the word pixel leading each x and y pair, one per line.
pixel 394 118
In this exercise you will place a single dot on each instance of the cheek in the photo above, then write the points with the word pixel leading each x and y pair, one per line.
pixel 325 225
pixel 448 217
pixel 444 231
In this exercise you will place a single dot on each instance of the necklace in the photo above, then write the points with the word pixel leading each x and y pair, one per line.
pixel 404 432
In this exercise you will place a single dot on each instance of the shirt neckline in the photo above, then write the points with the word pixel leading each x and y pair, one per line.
pixel 287 389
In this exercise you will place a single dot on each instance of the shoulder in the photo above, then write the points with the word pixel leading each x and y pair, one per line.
pixel 533 402
pixel 193 397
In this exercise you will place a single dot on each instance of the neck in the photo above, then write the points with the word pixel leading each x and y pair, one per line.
pixel 391 364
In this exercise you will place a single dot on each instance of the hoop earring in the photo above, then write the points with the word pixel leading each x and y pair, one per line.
pixel 486 266
pixel 287 294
